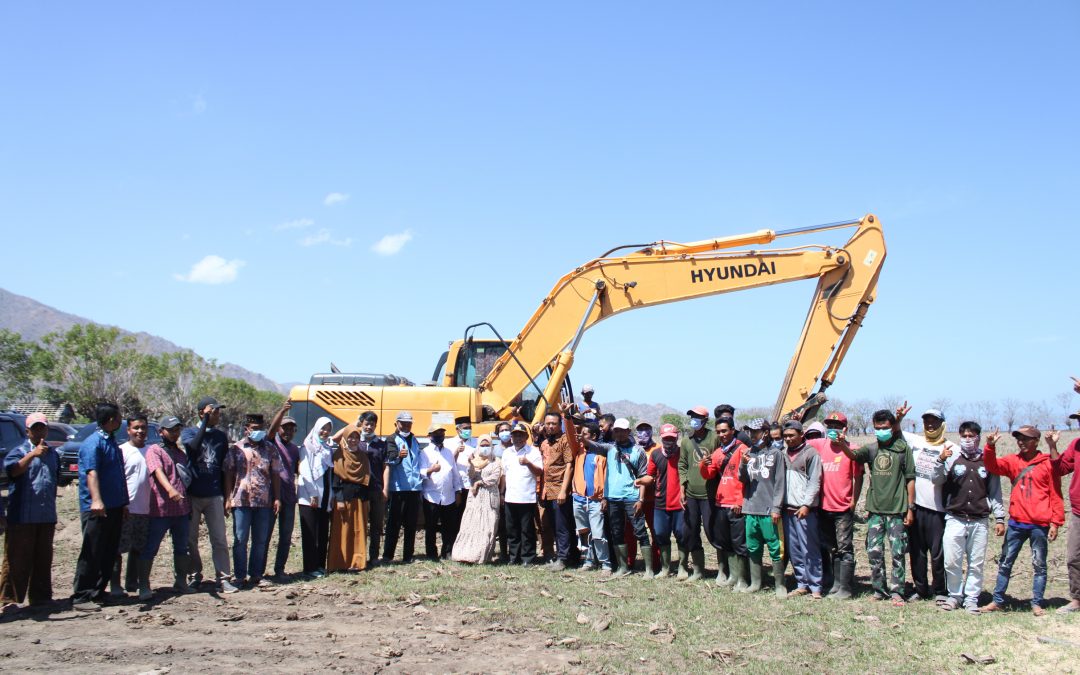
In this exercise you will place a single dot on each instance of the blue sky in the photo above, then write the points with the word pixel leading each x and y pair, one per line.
pixel 491 147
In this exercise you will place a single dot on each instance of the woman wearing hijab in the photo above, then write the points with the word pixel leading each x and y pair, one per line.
pixel 313 495
pixel 348 521
pixel 480 523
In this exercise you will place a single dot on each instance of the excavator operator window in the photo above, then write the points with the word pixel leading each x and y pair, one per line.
pixel 475 361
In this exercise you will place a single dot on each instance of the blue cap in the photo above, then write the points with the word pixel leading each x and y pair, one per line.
pixel 934 412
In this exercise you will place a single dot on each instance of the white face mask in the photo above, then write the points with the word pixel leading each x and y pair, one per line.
pixel 485 451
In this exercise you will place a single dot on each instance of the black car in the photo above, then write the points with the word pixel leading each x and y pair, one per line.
pixel 69 452
pixel 12 435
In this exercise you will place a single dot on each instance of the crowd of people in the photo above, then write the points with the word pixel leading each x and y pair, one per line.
pixel 596 493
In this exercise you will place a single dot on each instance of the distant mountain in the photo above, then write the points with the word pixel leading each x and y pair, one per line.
pixel 33 320
pixel 641 412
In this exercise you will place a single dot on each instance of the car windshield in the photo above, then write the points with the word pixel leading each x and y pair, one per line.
pixel 57 434
pixel 121 433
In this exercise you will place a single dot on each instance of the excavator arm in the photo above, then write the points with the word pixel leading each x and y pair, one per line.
pixel 665 272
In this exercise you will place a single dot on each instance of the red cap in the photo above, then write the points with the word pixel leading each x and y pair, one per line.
pixel 837 417
pixel 699 411
pixel 36 418
pixel 669 431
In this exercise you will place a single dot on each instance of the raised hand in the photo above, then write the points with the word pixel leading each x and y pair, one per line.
pixel 946 452
pixel 993 438
pixel 1076 385
pixel 1052 437
pixel 901 411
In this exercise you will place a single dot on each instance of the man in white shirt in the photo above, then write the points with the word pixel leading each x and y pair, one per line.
pixel 925 535
pixel 440 485
pixel 522 465
pixel 133 533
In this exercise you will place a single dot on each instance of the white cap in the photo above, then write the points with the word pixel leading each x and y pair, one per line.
pixel 588 389
pixel 621 423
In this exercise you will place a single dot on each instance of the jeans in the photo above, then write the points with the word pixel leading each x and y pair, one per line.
pixel 804 549
pixel 1072 544
pixel 286 521
pixel 589 518
pixel 255 523
pixel 213 509
pixel 563 515
pixel 965 547
pixel 924 547
pixel 665 524
pixel 100 544
pixel 178 526
pixel 1014 540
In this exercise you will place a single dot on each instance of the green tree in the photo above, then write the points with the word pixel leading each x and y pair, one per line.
pixel 679 420
pixel 241 398
pixel 173 383
pixel 89 364
pixel 19 361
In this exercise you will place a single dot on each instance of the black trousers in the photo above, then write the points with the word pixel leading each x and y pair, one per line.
pixel 100 546
pixel 520 532
pixel 836 530
pixel 562 519
pixel 621 511
pixel 925 545
pixel 442 521
pixel 404 511
pixel 729 531
pixel 314 537
pixel 699 514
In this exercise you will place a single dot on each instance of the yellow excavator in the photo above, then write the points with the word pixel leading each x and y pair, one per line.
pixel 489 380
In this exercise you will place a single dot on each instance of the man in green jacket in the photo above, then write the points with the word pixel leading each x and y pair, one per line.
pixel 890 501
pixel 697 503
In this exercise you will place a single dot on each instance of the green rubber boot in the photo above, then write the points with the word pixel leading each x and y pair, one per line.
pixel 778 578
pixel 721 576
pixel 740 573
pixel 665 562
pixel 623 558
pixel 698 562
pixel 684 565
pixel 145 592
pixel 646 557
pixel 733 571
pixel 755 577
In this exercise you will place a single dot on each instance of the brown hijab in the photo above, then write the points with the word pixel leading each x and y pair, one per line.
pixel 350 467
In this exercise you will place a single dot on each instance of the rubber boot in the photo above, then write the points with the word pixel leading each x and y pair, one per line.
pixel 845 579
pixel 131 575
pixel 829 568
pixel 721 577
pixel 698 561
pixel 778 578
pixel 733 571
pixel 646 558
pixel 181 563
pixel 740 574
pixel 665 562
pixel 116 589
pixel 145 592
pixel 621 557
pixel 684 565
pixel 755 577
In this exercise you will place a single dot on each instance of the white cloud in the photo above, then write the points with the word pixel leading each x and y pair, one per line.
pixel 335 198
pixel 198 104
pixel 392 244
pixel 298 224
pixel 213 269
pixel 324 236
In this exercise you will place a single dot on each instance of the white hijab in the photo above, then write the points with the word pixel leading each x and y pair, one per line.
pixel 316 456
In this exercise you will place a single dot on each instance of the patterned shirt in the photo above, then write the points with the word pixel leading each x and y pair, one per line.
pixel 166 459
pixel 251 464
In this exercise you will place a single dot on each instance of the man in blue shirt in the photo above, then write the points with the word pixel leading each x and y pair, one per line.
pixel 32 469
pixel 206 447
pixel 103 497
pixel 403 461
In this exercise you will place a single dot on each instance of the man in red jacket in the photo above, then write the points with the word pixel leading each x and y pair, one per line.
pixel 729 529
pixel 1066 464
pixel 1036 510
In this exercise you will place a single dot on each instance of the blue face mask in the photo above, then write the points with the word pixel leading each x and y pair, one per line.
pixel 883 435
pixel 833 434
pixel 504 436
pixel 696 423
pixel 257 436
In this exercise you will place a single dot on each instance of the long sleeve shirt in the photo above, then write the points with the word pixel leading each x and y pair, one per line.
pixel 929 471
pixel 691 451
pixel 970 491
pixel 724 464
pixel 404 471
pixel 1066 464
pixel 1035 498
pixel 763 477
pixel 441 486
pixel 802 481
pixel 206 449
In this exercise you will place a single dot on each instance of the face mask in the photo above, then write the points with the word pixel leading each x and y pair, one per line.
pixel 644 437
pixel 257 436
pixel 504 436
pixel 404 434
pixel 833 434
pixel 670 444
pixel 464 434
pixel 367 435
pixel 438 439
pixel 484 450
pixel 970 446
pixel 883 435
pixel 696 423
